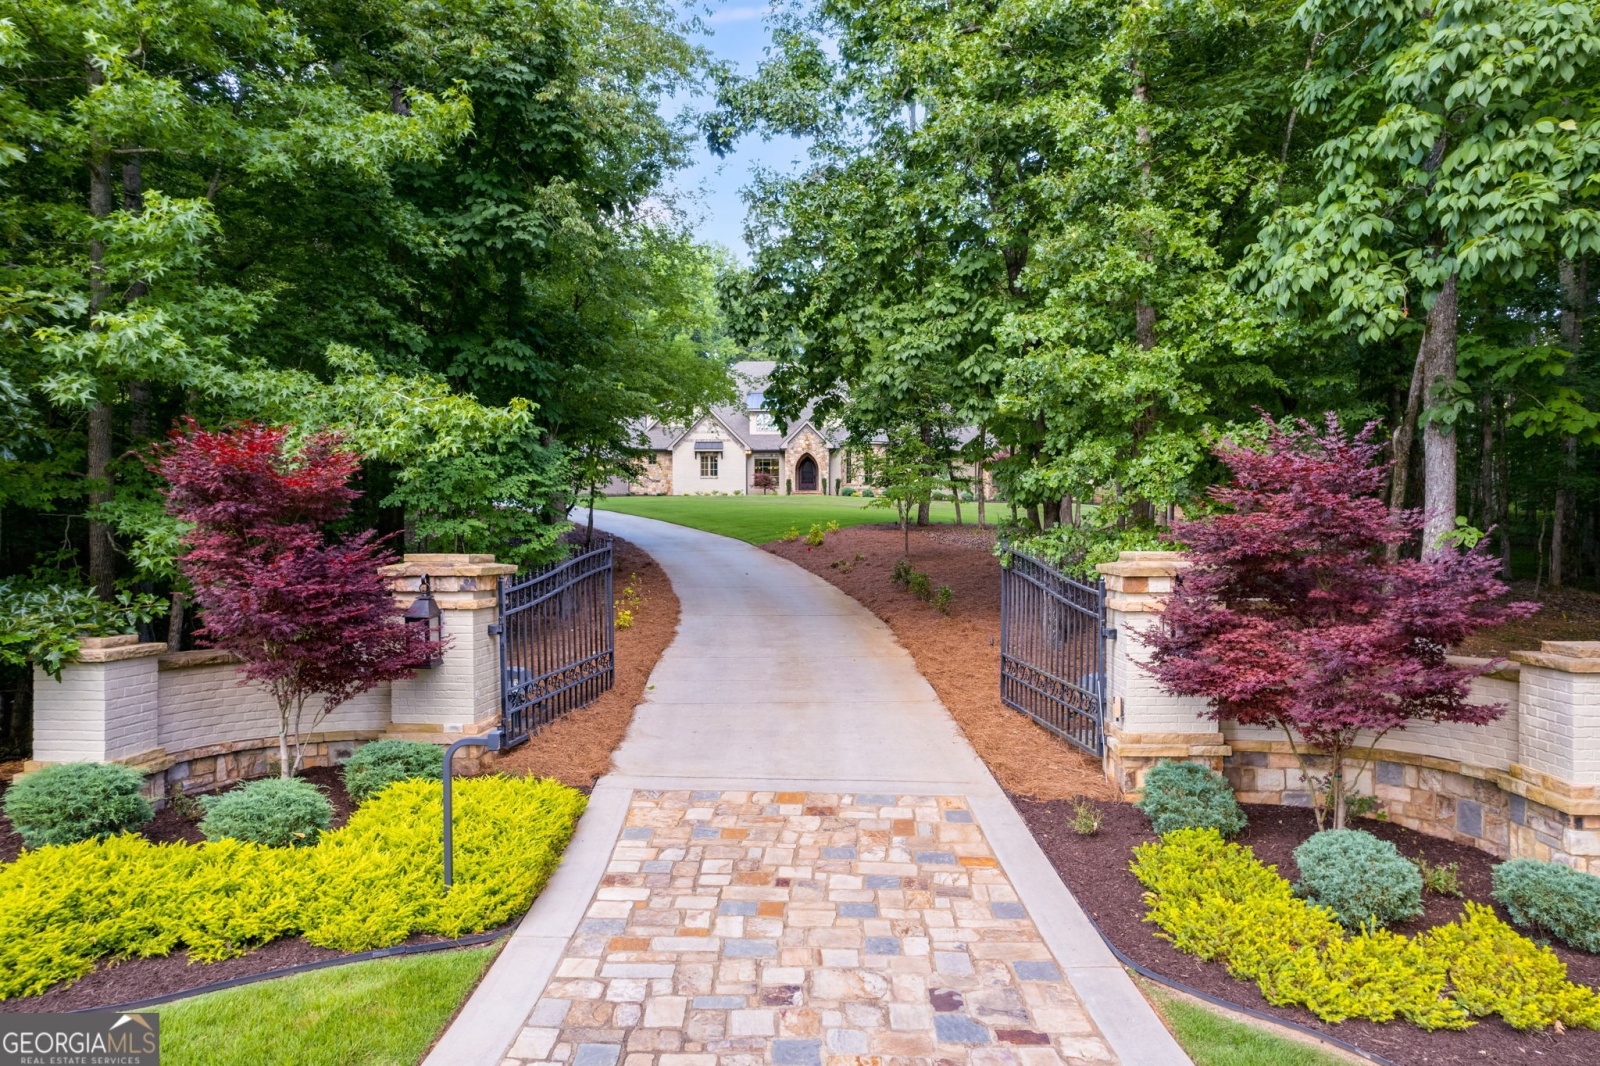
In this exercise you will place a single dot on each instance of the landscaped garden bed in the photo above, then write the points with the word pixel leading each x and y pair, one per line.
pixel 140 915
pixel 1096 869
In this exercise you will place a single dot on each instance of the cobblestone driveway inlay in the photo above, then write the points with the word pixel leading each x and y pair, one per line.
pixel 806 929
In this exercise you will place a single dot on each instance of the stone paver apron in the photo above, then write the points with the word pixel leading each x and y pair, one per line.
pixel 791 927
pixel 790 867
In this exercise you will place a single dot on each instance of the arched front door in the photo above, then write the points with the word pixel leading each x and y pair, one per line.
pixel 805 475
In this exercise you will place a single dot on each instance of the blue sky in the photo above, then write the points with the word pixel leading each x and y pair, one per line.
pixel 709 190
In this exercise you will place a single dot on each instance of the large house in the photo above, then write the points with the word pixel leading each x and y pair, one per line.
pixel 725 450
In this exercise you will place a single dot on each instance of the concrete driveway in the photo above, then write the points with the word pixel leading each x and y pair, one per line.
pixel 798 860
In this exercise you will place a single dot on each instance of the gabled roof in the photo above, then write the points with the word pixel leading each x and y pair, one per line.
pixel 715 416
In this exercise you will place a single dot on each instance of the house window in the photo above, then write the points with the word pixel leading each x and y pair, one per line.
pixel 761 422
pixel 767 464
pixel 708 464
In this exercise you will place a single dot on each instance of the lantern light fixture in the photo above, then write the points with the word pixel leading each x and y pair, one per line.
pixel 424 614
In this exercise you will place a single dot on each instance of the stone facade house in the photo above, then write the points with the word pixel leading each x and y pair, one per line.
pixel 725 450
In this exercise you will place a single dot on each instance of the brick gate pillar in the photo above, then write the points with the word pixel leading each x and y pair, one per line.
pixel 461 696
pixel 1145 724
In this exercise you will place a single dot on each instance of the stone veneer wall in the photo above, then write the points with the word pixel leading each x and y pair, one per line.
pixel 1525 785
pixel 656 479
pixel 186 721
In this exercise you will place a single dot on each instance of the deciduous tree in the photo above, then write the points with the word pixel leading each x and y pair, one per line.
pixel 1293 615
pixel 310 616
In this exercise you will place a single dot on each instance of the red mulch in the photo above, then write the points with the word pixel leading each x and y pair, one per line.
pixel 958 653
pixel 1095 868
pixel 1564 614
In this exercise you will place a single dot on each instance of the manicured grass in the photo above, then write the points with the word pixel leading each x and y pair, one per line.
pixel 1213 1039
pixel 758 519
pixel 387 1011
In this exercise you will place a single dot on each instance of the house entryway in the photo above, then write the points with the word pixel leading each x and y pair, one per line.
pixel 805 475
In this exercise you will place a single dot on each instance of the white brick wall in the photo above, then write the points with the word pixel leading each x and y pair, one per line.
pixel 96 712
pixel 463 691
pixel 1146 706
pixel 205 705
pixel 1560 723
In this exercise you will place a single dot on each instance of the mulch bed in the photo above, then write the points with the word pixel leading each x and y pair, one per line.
pixel 137 979
pixel 958 653
pixel 576 750
pixel 1564 614
pixel 1095 868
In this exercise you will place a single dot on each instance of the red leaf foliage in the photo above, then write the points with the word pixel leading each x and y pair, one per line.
pixel 309 616
pixel 1293 616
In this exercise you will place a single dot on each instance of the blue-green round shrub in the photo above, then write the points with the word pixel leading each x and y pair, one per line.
pixel 76 801
pixel 1364 881
pixel 1551 898
pixel 380 764
pixel 868 494
pixel 1186 795
pixel 274 812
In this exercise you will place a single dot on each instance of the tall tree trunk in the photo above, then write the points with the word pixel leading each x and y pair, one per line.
pixel 175 615
pixel 1574 293
pixel 1144 326
pixel 588 533
pixel 139 394
pixel 982 489
pixel 1439 439
pixel 924 507
pixel 102 559
pixel 1405 432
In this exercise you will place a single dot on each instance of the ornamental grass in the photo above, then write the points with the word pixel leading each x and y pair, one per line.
pixel 370 884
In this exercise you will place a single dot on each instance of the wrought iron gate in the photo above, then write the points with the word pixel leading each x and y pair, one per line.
pixel 557 641
pixel 1053 649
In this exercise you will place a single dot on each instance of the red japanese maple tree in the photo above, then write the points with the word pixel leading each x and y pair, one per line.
pixel 310 616
pixel 1293 616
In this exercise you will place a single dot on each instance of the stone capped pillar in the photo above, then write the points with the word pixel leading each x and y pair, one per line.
pixel 1146 724
pixel 461 696
pixel 104 707
pixel 1558 734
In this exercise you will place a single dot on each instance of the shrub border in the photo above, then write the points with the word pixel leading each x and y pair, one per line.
pixel 475 940
pixel 1151 975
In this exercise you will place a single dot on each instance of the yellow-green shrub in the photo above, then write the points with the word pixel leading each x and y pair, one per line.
pixel 1214 899
pixel 370 884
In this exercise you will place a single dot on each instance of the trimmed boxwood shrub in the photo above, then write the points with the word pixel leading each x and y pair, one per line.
pixel 76 801
pixel 382 763
pixel 1551 898
pixel 1364 881
pixel 369 884
pixel 1216 900
pixel 279 813
pixel 1186 795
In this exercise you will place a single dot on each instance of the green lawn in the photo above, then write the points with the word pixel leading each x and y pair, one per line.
pixel 386 1012
pixel 758 519
pixel 1213 1039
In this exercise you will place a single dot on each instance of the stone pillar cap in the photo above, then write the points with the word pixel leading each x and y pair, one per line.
pixel 1145 564
pixel 115 649
pixel 447 566
pixel 1570 656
